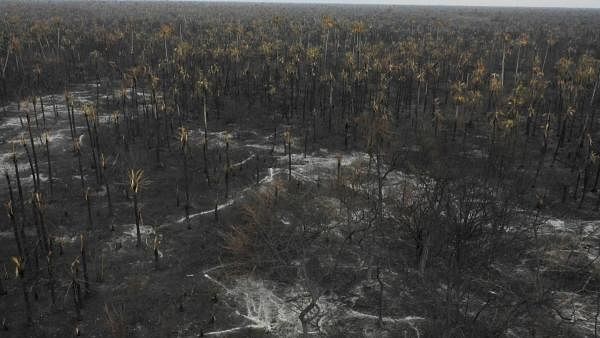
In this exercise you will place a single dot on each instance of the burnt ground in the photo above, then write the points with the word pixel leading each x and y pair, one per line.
pixel 129 294
pixel 212 279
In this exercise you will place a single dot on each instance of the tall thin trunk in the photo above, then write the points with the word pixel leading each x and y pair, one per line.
pixel 11 216
pixel 20 190
pixel 43 112
pixel 35 160
pixel 76 287
pixel 84 266
pixel 137 219
pixel 88 202
pixel 24 289
pixel 51 281
pixel 503 63
pixel 205 146
pixel 227 169
pixel 380 304
pixel 187 187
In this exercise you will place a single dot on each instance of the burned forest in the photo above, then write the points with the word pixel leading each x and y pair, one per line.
pixel 189 169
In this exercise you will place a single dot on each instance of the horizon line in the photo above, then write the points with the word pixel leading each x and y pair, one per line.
pixel 391 3
pixel 368 3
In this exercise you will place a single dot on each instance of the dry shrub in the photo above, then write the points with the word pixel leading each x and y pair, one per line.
pixel 243 240
pixel 239 239
pixel 260 237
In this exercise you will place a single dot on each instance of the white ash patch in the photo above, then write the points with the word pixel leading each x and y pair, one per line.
pixel 12 123
pixel 477 153
pixel 11 106
pixel 207 212
pixel 398 181
pixel 244 161
pixel 315 167
pixel 58 135
pixel 98 192
pixel 66 239
pixel 128 234
pixel 105 119
pixel 6 163
pixel 233 330
pixel 29 179
pixel 145 230
pixel 556 224
pixel 259 146
pixel 216 139
pixel 7 234
pixel 258 302
pixel 589 229
pixel 272 173
pixel 577 310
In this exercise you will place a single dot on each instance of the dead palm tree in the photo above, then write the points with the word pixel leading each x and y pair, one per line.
pixel 166 31
pixel 506 43
pixel 136 178
pixel 459 98
pixel 11 215
pixel 19 187
pixel 328 24
pixel 20 274
pixel 89 112
pixel 202 85
pixel 76 287
pixel 522 42
pixel 39 207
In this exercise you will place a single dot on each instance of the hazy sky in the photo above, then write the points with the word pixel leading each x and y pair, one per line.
pixel 522 3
